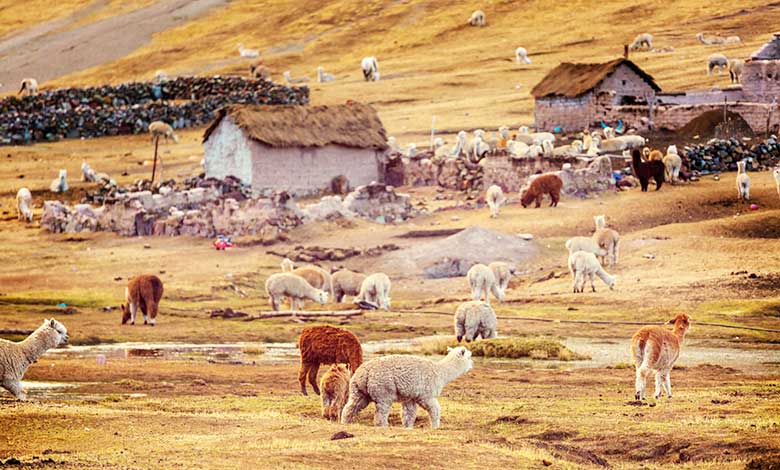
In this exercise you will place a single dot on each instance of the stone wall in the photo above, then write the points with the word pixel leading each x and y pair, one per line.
pixel 761 80
pixel 572 114
pixel 512 173
pixel 673 117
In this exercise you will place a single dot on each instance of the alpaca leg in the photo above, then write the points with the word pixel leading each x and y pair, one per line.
pixel 133 310
pixel 592 277
pixel 357 401
pixel 487 292
pixel 382 413
pixel 554 199
pixel 153 313
pixel 15 388
pixel 539 200
pixel 659 181
pixel 302 372
pixel 460 331
pixel 640 382
pixel 434 411
pixel 315 368
pixel 615 253
pixel 668 383
pixel 144 310
pixel 659 378
pixel 409 413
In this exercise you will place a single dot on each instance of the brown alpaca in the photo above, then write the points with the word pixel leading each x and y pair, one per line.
pixel 645 170
pixel 335 391
pixel 143 291
pixel 326 345
pixel 654 348
pixel 545 184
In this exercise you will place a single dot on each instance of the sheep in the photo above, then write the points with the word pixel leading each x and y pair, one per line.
pixel 346 282
pixel 323 76
pixel 673 164
pixel 656 348
pixel 477 18
pixel 483 281
pixel 411 380
pixel 15 358
pixel 334 387
pixel 495 198
pixel 287 265
pixel 60 184
pixel 582 264
pixel 521 55
pixel 587 244
pixel 776 174
pixel 502 272
pixel 29 87
pixel 474 319
pixel 642 40
pixel 316 277
pixel 735 69
pixel 375 289
pixel 144 291
pixel 370 68
pixel 159 129
pixel 717 60
pixel 294 81
pixel 295 288
pixel 244 52
pixel 326 345
pixel 743 182
pixel 574 148
pixel 24 205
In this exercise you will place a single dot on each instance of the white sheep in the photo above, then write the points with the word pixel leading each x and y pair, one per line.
pixel 473 319
pixel 15 358
pixel 323 76
pixel 294 81
pixel 375 289
pixel 477 18
pixel 29 87
pixel 60 185
pixel 287 265
pixel 521 55
pixel 743 181
pixel 495 198
pixel 24 205
pixel 159 129
pixel 735 69
pixel 642 40
pixel 295 288
pixel 370 67
pixel 407 379
pixel 503 273
pixel 244 52
pixel 717 60
pixel 582 264
pixel 483 281
pixel 574 148
pixel 673 164
pixel 587 244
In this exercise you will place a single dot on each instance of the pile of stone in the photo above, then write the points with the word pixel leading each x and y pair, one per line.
pixel 310 254
pixel 719 155
pixel 459 173
pixel 130 107
pixel 374 201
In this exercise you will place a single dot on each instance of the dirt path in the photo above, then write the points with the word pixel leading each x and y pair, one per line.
pixel 52 50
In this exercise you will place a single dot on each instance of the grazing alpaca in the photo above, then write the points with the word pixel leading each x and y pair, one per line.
pixel 583 264
pixel 735 69
pixel 717 60
pixel 335 391
pixel 743 182
pixel 477 18
pixel 15 358
pixel 495 198
pixel 346 282
pixel 375 289
pixel 295 288
pixel 60 185
pixel 646 170
pixel 143 291
pixel 244 52
pixel 370 68
pixel 482 280
pixel 776 174
pixel 673 164
pixel 159 129
pixel 642 40
pixel 521 55
pixel 29 87
pixel 545 184
pixel 24 204
pixel 656 348
pixel 473 319
pixel 326 345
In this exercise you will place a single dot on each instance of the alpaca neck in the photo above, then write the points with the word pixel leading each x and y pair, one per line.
pixel 35 345
pixel 604 276
pixel 447 370
pixel 679 333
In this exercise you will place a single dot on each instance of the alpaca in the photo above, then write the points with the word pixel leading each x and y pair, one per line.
pixel 29 87
pixel 316 277
pixel 370 68
pixel 642 40
pixel 574 148
pixel 620 143
pixel 521 55
pixel 346 282
pixel 495 198
pixel 293 287
pixel 244 52
pixel 547 149
pixel 652 155
pixel 287 265
pixel 606 239
pixel 656 348
pixel 477 18
pixel 15 358
pixel 776 174
pixel 87 173
pixel 609 133
pixel 144 291
pixel 582 264
pixel 646 170
pixel 482 280
pixel 717 60
pixel 24 205
pixel 527 137
pixel 334 387
pixel 586 244
pixel 326 345
pixel 375 289
pixel 672 164
pixel 323 76
pixel 258 70
pixel 735 69
pixel 294 81
pixel 411 380
pixel 473 319
pixel 743 182
pixel 594 147
pixel 544 184
pixel 159 129
pixel 60 185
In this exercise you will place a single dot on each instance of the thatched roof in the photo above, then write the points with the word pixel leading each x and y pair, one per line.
pixel 573 80
pixel 351 125
pixel 770 50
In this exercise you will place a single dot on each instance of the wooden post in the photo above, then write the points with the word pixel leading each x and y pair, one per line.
pixel 769 116
pixel 433 130
pixel 625 51
pixel 154 165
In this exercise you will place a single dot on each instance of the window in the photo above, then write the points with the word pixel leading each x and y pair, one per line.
pixel 624 83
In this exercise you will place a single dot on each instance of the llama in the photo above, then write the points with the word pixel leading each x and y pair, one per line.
pixel 326 345
pixel 473 319
pixel 642 40
pixel 718 61
pixel 544 184
pixel 60 185
pixel 743 182
pixel 159 129
pixel 323 76
pixel 477 18
pixel 408 379
pixel 15 358
pixel 249 53
pixel 29 87
pixel 521 55
pixel 495 198
pixel 672 164
pixel 482 280
pixel 294 80
pixel 582 264
pixel 375 289
pixel 735 69
pixel 370 68
pixel 656 348
pixel 293 287
pixel 646 170
pixel 144 291
pixel 334 387
pixel 24 205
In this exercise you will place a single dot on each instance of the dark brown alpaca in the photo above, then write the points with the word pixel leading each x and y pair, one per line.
pixel 545 184
pixel 144 291
pixel 326 345
pixel 645 170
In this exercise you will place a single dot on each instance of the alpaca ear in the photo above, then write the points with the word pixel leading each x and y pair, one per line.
pixel 671 322
pixel 51 323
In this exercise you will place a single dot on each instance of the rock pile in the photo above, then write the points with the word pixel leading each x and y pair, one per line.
pixel 722 155
pixel 374 201
pixel 310 254
pixel 459 173
pixel 129 108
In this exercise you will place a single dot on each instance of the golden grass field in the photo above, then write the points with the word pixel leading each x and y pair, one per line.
pixel 208 412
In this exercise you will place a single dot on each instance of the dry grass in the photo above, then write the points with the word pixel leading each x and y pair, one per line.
pixel 508 348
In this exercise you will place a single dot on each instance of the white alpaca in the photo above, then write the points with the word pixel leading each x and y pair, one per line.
pixel 776 174
pixel 407 379
pixel 595 145
pixel 479 148
pixel 24 205
pixel 483 282
pixel 159 129
pixel 547 148
pixel 287 265
pixel 295 288
pixel 524 135
pixel 717 60
pixel 323 76
pixel 503 273
pixel 29 87
pixel 609 133
pixel 15 358
pixel 714 40
pixel 375 289
pixel 495 198
pixel 620 143
pixel 587 244
pixel 735 69
pixel 521 55
pixel 392 144
pixel 473 319
pixel 244 52
pixel 743 181
pixel 642 40
pixel 477 18
pixel 656 348
pixel 87 173
pixel 574 148
pixel 370 68
pixel 517 149
pixel 583 264
pixel 673 164
pixel 294 81
pixel 60 185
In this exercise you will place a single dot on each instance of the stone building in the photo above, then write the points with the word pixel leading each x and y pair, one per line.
pixel 761 76
pixel 296 148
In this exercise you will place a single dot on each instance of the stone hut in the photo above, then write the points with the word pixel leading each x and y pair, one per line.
pixel 761 75
pixel 300 149
pixel 574 96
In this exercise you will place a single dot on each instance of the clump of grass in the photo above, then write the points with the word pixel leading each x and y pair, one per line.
pixel 89 341
pixel 254 350
pixel 509 348
pixel 621 365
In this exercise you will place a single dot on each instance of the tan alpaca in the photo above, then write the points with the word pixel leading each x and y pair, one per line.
pixel 335 391
pixel 15 358
pixel 144 291
pixel 654 348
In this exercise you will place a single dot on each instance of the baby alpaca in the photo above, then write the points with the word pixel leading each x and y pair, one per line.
pixel 581 264
pixel 60 185
pixel 326 345
pixel 375 289
pixel 334 386
pixel 495 198
pixel 295 288
pixel 24 205
pixel 15 358
pixel 408 379
pixel 656 348
pixel 483 281
pixel 743 181
pixel 545 184
pixel 143 291
pixel 474 319
pixel 477 18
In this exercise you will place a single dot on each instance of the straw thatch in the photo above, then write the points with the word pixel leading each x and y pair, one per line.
pixel 770 50
pixel 350 125
pixel 573 80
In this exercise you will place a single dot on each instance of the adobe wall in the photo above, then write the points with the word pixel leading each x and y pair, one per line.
pixel 628 82
pixel 761 80
pixel 673 117
pixel 569 113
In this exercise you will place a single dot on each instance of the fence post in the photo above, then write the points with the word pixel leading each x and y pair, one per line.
pixel 154 165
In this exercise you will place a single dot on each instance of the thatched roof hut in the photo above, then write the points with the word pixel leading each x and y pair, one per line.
pixel 573 80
